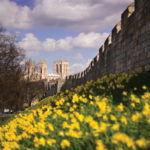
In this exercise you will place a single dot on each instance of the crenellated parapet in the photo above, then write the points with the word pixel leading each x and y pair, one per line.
pixel 116 31
pixel 126 15
pixel 126 48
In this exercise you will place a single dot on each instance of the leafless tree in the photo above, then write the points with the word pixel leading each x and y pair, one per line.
pixel 12 85
pixel 34 91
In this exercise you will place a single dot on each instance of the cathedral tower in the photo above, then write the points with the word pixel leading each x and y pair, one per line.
pixel 42 70
pixel 61 68
pixel 29 70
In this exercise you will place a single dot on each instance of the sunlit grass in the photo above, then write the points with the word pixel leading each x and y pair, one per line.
pixel 112 113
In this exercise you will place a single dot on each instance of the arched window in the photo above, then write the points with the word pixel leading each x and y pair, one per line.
pixel 60 68
pixel 28 70
pixel 56 68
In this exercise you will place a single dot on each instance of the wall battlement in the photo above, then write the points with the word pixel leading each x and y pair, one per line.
pixel 127 48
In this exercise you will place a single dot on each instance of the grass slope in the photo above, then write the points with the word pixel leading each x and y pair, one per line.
pixel 112 113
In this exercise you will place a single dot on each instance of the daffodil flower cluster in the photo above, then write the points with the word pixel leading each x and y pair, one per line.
pixel 83 121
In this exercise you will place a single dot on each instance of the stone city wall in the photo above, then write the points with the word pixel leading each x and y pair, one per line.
pixel 126 49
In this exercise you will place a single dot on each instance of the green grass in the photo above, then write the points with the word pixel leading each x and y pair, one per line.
pixel 110 113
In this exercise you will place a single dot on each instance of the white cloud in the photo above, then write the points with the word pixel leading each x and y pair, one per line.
pixel 117 1
pixel 78 56
pixel 82 15
pixel 31 45
pixel 14 16
pixel 49 44
pixel 64 44
pixel 79 67
pixel 30 42
pixel 60 9
pixel 90 40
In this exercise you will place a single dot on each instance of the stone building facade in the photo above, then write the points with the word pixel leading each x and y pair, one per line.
pixel 40 72
pixel 61 68
pixel 29 72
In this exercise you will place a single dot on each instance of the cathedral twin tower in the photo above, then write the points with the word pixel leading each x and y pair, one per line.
pixel 61 70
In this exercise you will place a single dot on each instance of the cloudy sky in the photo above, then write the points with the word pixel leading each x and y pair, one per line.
pixel 61 29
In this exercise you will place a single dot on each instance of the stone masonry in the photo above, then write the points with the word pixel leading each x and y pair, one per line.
pixel 32 74
pixel 126 49
pixel 40 72
pixel 61 68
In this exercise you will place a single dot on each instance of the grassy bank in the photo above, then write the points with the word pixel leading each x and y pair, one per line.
pixel 111 113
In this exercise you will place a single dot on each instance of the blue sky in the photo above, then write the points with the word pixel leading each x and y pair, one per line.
pixel 61 29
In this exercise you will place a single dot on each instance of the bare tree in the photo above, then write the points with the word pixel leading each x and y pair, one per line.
pixel 12 86
pixel 34 91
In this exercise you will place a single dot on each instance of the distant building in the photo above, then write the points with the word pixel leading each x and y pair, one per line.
pixel 42 70
pixel 53 76
pixel 29 70
pixel 61 68
pixel 33 73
